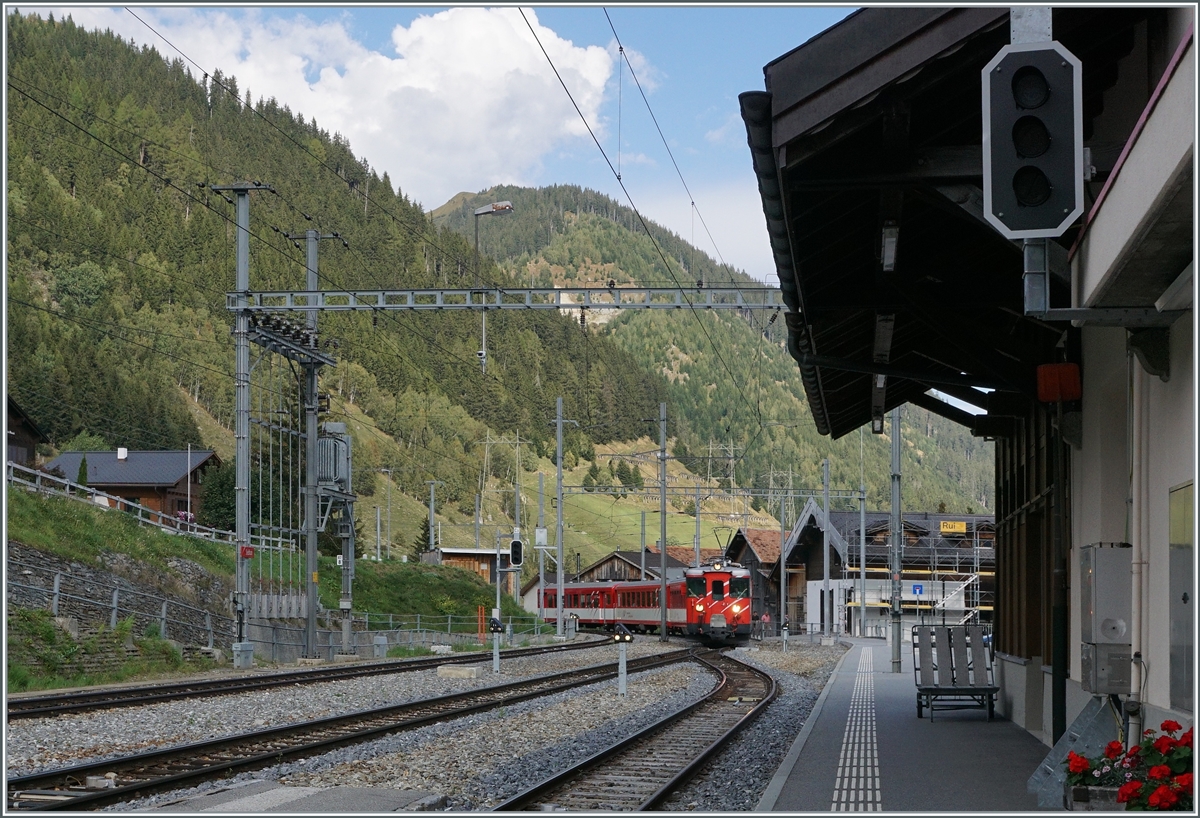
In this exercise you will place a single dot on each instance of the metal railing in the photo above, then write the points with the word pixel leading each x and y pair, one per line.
pixel 96 602
pixel 50 484
pixel 91 601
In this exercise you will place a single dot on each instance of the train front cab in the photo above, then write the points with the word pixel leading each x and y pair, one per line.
pixel 718 603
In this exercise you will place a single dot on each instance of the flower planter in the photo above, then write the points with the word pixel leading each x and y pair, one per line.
pixel 1097 799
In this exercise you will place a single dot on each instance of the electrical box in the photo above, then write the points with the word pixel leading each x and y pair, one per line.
pixel 1106 668
pixel 333 457
pixel 1106 599
pixel 1106 593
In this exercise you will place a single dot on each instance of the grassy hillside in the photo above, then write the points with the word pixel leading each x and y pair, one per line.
pixel 82 533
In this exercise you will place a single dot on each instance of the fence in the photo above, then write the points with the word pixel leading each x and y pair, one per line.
pixel 96 601
pixel 90 600
pixel 46 483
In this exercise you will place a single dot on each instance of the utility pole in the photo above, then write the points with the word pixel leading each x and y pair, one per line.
pixel 433 531
pixel 643 545
pixel 378 555
pixel 311 410
pixel 539 542
pixel 558 597
pixel 697 538
pixel 517 511
pixel 826 596
pixel 662 514
pixel 478 520
pixel 243 649
pixel 388 472
pixel 897 539
pixel 862 559
pixel 782 570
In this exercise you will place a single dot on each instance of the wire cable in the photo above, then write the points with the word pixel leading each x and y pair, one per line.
pixel 657 247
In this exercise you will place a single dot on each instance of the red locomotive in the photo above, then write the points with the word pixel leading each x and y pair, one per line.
pixel 711 602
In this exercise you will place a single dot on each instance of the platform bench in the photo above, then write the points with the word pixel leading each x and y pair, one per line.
pixel 953 669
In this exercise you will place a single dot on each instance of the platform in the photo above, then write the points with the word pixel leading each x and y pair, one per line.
pixel 863 748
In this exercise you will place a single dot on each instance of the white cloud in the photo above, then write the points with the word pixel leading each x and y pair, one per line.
pixel 643 72
pixel 467 101
pixel 729 132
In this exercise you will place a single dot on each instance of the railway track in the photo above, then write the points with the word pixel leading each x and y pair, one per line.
pixel 641 771
pixel 30 707
pixel 66 788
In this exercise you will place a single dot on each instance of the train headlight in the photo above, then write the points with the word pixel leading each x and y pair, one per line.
pixel 737 609
pixel 699 607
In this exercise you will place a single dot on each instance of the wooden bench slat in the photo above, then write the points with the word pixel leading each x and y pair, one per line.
pixel 981 657
pixel 925 656
pixel 945 660
pixel 962 667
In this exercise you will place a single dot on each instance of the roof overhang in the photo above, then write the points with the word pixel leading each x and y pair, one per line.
pixel 867 147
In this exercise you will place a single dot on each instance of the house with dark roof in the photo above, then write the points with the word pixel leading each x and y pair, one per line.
pixel 22 434
pixel 952 550
pixel 166 481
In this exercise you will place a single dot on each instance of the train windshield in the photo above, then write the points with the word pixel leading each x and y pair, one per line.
pixel 739 587
pixel 695 586
pixel 718 589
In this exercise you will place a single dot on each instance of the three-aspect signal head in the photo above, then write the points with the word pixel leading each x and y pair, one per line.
pixel 516 553
pixel 495 625
pixel 1033 140
pixel 622 634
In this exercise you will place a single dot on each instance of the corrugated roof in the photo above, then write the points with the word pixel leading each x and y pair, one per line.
pixel 164 468
pixel 765 543
pixel 685 556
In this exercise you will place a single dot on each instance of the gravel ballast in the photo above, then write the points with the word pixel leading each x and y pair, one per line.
pixel 474 762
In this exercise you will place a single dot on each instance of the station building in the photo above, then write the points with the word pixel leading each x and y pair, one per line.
pixel 867 144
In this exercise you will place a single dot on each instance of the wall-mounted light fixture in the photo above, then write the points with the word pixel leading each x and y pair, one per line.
pixel 891 238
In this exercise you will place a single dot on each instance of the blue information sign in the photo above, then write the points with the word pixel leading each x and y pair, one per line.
pixel 918 589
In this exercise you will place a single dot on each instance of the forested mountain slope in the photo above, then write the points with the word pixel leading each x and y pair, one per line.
pixel 119 257
pixel 737 392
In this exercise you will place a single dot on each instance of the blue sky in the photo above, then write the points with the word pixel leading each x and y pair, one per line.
pixel 452 99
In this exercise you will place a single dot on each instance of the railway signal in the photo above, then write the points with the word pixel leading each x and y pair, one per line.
pixel 622 637
pixel 1033 140
pixel 516 553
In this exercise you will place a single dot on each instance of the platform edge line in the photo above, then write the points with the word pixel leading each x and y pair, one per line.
pixel 771 793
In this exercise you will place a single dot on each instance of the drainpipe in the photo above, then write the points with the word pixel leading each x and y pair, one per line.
pixel 1133 706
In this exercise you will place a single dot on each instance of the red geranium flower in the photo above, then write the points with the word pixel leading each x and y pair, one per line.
pixel 1186 739
pixel 1076 762
pixel 1184 782
pixel 1134 750
pixel 1165 744
pixel 1163 798
pixel 1128 791
pixel 1160 772
pixel 1170 726
pixel 1114 749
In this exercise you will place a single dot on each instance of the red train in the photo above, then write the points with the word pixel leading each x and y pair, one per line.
pixel 711 602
